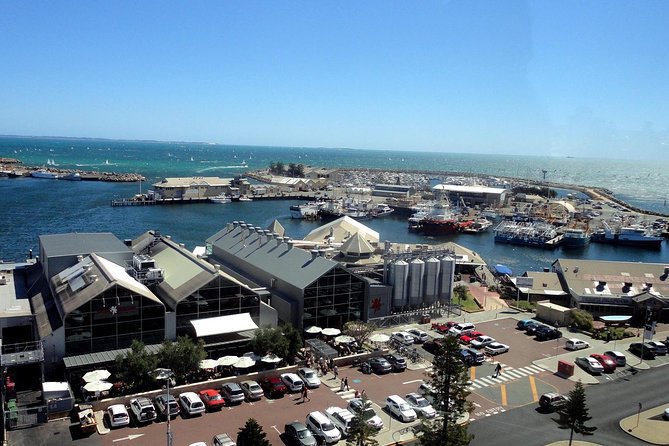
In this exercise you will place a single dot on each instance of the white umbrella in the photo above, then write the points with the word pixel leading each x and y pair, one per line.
pixel 379 337
pixel 244 363
pixel 97 386
pixel 270 359
pixel 344 339
pixel 331 331
pixel 227 360
pixel 96 375
pixel 313 329
pixel 208 364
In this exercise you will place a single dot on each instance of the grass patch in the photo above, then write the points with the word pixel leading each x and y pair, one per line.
pixel 468 304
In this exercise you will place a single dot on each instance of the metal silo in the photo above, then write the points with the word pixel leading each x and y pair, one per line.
pixel 416 271
pixel 431 287
pixel 446 279
pixel 400 275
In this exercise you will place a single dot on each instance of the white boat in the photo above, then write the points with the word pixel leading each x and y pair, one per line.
pixel 245 198
pixel 220 199
pixel 42 173
pixel 634 235
pixel 307 211
pixel 475 226
pixel 382 209
pixel 74 176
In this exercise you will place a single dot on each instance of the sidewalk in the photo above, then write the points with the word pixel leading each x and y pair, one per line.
pixel 651 427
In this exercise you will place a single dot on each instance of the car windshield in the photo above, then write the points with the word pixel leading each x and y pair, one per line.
pixel 422 402
pixel 304 433
pixel 327 426
pixel 254 387
pixel 368 413
pixel 309 375
pixel 404 407
pixel 215 397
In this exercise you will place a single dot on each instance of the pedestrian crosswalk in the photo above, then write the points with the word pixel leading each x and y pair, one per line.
pixel 507 374
pixel 346 395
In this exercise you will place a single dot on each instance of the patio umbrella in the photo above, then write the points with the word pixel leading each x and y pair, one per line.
pixel 270 359
pixel 229 360
pixel 379 337
pixel 313 329
pixel 98 386
pixel 344 339
pixel 244 363
pixel 96 375
pixel 208 364
pixel 331 331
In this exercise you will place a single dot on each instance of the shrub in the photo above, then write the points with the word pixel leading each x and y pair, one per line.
pixel 582 319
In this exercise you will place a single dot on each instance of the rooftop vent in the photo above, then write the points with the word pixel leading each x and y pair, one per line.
pixel 314 253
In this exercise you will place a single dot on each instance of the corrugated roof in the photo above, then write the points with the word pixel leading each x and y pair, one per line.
pixel 268 258
pixel 107 357
pixel 188 181
pixel 55 245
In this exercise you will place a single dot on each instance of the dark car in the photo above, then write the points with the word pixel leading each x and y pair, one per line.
pixel 476 357
pixel 548 333
pixel 466 357
pixel 550 402
pixel 522 325
pixel 643 351
pixel 298 433
pixel 398 363
pixel 165 403
pixel 273 386
pixel 531 329
pixel 380 365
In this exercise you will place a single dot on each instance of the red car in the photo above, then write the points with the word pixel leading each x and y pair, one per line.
pixel 466 339
pixel 607 362
pixel 212 399
pixel 442 328
pixel 273 386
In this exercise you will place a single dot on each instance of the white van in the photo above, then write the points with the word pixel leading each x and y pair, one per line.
pixel 400 408
pixel 191 404
pixel 461 329
pixel 322 427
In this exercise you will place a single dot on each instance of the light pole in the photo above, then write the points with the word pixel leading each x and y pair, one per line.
pixel 167 375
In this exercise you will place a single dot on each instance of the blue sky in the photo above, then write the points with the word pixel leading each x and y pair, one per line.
pixel 579 78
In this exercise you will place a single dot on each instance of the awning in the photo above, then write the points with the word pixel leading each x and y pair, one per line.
pixel 615 319
pixel 100 358
pixel 503 269
pixel 223 324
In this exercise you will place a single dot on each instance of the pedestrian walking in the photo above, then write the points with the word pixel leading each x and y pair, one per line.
pixel 346 383
pixel 342 385
pixel 498 370
pixel 305 394
pixel 335 370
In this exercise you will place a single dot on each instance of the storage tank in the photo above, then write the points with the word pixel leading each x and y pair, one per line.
pixel 416 271
pixel 446 279
pixel 431 286
pixel 400 275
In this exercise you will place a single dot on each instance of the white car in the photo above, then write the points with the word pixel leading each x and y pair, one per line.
pixel 191 404
pixel 496 348
pixel 396 406
pixel 481 341
pixel 420 405
pixel 118 415
pixel 425 389
pixel 356 406
pixel 575 344
pixel 402 337
pixel 309 377
pixel 323 428
pixel 293 382
pixel 589 364
pixel 341 418
pixel 419 336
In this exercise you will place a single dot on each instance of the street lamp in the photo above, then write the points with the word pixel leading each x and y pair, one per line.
pixel 167 375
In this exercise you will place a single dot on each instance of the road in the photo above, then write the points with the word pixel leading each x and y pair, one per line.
pixel 608 404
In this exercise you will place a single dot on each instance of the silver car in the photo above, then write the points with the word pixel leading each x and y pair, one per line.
pixel 310 377
pixel 252 390
pixel 232 393
pixel 420 405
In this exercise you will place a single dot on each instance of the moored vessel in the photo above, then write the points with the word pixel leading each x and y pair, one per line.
pixel 634 235
pixel 45 174
pixel 575 238
pixel 535 233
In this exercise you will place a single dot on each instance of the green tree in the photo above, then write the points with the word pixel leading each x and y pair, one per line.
pixel 280 168
pixel 359 330
pixel 574 414
pixel 136 366
pixel 360 432
pixel 292 169
pixel 272 167
pixel 449 396
pixel 269 339
pixel 182 356
pixel 460 292
pixel 252 434
pixel 300 171
pixel 582 319
pixel 294 339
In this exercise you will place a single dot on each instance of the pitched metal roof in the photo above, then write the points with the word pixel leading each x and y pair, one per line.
pixel 55 245
pixel 106 357
pixel 264 257
pixel 341 229
pixel 356 245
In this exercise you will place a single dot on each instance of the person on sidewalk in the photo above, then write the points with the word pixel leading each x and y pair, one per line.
pixel 305 394
pixel 335 370
pixel 498 370
pixel 346 383
pixel 342 385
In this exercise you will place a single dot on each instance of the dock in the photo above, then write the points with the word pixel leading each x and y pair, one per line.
pixel 145 201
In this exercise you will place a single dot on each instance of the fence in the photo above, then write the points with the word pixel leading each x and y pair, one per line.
pixel 415 316
pixel 17 418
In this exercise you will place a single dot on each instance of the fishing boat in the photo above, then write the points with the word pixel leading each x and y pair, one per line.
pixel 440 221
pixel 634 235
pixel 308 211
pixel 220 199
pixel 381 209
pixel 533 233
pixel 575 238
pixel 45 174
pixel 475 226
pixel 245 198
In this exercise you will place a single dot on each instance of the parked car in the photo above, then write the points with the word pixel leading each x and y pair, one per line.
pixel 419 336
pixel 589 364
pixel 309 377
pixel 298 433
pixel 468 337
pixel 531 329
pixel 420 405
pixel 273 386
pixel 547 334
pixel 380 365
pixel 142 410
pixel 118 415
pixel 576 344
pixel 341 418
pixel 642 350
pixel 396 406
pixel 356 406
pixel 398 363
pixel 212 399
pixel 476 356
pixel 232 393
pixel 522 325
pixel 481 341
pixel 222 440
pixel 550 402
pixel 618 357
pixel 322 427
pixel 191 404
pixel 166 404
pixel 443 327
pixel 660 348
pixel 496 348
pixel 461 329
pixel 425 389
pixel 252 390
pixel 292 381
pixel 466 357
pixel 607 363
pixel 402 337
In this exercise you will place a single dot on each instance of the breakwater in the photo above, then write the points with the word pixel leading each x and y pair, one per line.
pixel 14 168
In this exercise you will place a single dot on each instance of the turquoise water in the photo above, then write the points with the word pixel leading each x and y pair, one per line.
pixel 31 207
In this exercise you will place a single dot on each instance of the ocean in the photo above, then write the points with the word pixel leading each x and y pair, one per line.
pixel 32 207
